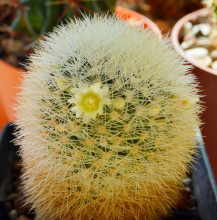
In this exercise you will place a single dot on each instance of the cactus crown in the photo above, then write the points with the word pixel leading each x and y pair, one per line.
pixel 107 118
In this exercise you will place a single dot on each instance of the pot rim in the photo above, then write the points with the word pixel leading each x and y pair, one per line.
pixel 125 13
pixel 176 32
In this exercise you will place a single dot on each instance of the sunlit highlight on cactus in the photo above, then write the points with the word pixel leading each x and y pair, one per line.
pixel 107 116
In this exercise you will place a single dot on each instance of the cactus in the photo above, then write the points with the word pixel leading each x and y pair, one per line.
pixel 107 120
pixel 36 17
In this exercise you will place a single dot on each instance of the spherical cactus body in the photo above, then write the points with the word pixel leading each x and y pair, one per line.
pixel 107 120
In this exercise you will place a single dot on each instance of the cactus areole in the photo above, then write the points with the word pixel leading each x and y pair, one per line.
pixel 108 116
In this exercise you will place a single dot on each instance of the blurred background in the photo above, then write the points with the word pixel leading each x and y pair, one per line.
pixel 23 22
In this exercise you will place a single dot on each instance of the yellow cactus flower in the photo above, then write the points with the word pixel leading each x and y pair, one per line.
pixel 89 101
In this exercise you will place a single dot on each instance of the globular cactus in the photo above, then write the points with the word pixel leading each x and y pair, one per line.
pixel 108 116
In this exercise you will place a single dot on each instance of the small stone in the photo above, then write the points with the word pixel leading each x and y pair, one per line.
pixel 205 61
pixel 189 36
pixel 214 65
pixel 13 214
pixel 196 29
pixel 186 181
pixel 186 44
pixel 196 53
pixel 187 27
pixel 213 54
pixel 205 29
pixel 8 206
pixel 187 189
pixel 203 42
pixel 23 217
pixel 12 197
pixel 201 29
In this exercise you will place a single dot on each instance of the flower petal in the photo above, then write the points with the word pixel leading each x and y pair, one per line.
pixel 96 87
pixel 77 111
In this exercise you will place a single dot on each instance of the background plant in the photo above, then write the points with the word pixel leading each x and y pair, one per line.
pixel 107 123
pixel 39 17
pixel 23 22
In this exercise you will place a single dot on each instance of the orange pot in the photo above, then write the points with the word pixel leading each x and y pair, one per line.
pixel 11 76
pixel 9 83
pixel 207 78
pixel 127 14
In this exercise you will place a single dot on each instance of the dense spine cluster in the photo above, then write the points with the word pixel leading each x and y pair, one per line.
pixel 107 117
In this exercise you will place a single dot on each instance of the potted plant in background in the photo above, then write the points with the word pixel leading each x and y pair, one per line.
pixel 25 21
pixel 194 37
pixel 163 13
pixel 21 24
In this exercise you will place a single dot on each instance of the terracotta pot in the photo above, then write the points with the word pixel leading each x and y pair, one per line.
pixel 126 14
pixel 9 83
pixel 12 76
pixel 207 78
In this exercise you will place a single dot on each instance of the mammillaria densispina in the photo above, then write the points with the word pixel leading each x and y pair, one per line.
pixel 107 120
